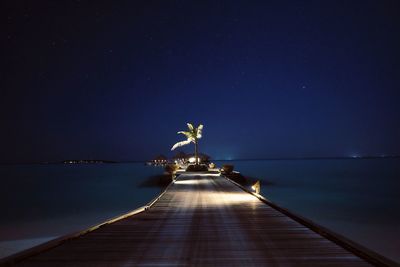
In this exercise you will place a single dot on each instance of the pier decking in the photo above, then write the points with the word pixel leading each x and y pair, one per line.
pixel 200 220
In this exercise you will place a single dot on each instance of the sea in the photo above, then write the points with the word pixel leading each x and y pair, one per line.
pixel 357 198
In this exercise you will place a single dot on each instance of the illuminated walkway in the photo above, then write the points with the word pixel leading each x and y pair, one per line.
pixel 203 221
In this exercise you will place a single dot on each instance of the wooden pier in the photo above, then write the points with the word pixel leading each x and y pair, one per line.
pixel 201 220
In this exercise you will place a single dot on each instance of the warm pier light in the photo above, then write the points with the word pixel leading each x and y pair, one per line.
pixel 206 190
pixel 191 182
pixel 256 187
pixel 192 160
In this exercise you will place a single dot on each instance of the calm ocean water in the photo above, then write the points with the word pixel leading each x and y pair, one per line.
pixel 357 198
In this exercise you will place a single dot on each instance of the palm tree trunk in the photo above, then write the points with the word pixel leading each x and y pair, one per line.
pixel 196 152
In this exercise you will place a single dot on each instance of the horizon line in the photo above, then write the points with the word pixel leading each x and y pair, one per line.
pixel 217 159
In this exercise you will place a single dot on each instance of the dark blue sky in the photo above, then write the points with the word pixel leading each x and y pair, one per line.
pixel 116 80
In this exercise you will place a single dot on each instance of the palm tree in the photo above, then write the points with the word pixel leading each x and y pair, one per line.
pixel 193 136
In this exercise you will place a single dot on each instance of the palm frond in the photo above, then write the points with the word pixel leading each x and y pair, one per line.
pixel 190 126
pixel 199 131
pixel 189 135
pixel 182 143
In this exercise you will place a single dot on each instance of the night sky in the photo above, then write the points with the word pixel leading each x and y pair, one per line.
pixel 268 79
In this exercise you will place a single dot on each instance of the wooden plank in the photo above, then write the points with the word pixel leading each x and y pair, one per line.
pixel 201 220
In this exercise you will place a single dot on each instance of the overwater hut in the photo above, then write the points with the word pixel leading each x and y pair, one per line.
pixel 180 157
pixel 159 160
